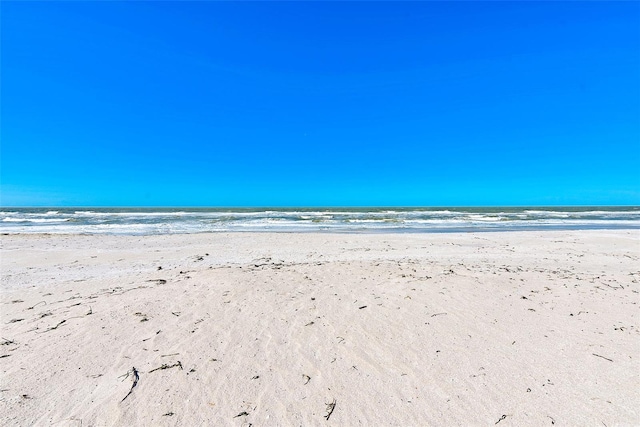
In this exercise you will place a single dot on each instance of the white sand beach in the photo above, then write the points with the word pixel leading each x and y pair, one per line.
pixel 287 329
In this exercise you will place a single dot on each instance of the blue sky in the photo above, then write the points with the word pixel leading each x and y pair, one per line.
pixel 320 104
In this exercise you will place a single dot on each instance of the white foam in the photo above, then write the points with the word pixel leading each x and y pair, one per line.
pixel 35 220
pixel 184 221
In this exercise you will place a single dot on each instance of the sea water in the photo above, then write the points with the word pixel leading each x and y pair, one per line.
pixel 141 221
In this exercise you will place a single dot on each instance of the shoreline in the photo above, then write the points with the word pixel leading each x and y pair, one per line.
pixel 519 327
pixel 347 231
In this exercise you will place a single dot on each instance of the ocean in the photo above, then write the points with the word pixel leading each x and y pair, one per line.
pixel 144 221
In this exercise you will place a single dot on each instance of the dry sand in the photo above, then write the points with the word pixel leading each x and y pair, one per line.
pixel 510 328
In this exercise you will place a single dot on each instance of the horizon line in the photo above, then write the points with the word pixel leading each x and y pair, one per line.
pixel 267 207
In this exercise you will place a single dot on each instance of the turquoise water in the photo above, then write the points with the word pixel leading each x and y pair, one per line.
pixel 142 221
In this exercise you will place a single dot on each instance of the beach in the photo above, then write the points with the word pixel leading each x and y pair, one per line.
pixel 507 328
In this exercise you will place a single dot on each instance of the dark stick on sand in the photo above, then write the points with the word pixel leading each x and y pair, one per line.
pixel 35 305
pixel 605 358
pixel 62 322
pixel 330 408
pixel 136 377
pixel 165 366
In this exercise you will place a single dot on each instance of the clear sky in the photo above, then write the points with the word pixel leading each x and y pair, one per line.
pixel 320 104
